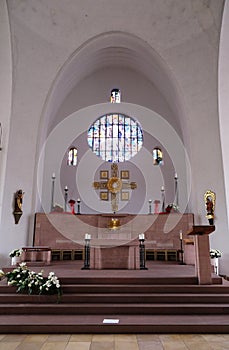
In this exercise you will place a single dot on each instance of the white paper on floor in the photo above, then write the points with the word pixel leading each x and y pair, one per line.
pixel 110 320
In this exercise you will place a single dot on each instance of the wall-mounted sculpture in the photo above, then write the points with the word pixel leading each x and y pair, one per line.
pixel 209 198
pixel 18 205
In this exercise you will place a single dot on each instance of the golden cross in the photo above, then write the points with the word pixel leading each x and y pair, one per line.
pixel 114 185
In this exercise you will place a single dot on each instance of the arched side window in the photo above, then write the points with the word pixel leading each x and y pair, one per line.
pixel 157 156
pixel 72 156
pixel 115 96
pixel 115 137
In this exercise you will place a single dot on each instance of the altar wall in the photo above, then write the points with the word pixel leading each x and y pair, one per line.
pixel 66 231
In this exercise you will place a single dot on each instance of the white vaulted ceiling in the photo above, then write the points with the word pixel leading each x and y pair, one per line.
pixel 114 49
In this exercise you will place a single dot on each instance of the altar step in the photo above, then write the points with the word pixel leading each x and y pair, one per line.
pixel 117 309
pixel 133 301
pixel 135 306
pixel 90 324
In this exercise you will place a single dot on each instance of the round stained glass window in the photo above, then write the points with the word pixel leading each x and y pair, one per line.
pixel 115 137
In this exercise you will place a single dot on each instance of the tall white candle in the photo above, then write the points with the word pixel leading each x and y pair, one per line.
pixel 87 236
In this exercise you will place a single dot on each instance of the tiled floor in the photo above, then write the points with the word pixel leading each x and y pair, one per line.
pixel 114 342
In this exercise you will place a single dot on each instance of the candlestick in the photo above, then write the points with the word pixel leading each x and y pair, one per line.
pixel 141 238
pixel 163 198
pixel 52 191
pixel 150 206
pixel 65 197
pixel 176 190
pixel 181 249
pixel 78 206
pixel 86 251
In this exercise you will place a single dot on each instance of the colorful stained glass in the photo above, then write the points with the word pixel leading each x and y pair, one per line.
pixel 115 137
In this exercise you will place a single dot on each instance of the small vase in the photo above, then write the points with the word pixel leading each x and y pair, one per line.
pixel 215 265
pixel 15 260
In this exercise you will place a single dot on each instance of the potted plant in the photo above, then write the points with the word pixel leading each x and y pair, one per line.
pixel 15 256
pixel 215 254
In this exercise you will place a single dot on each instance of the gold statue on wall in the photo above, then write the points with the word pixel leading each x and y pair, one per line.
pixel 209 199
pixel 18 205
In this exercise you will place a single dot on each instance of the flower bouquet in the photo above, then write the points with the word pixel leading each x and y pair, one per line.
pixel 15 256
pixel 215 253
pixel 15 253
pixel 30 282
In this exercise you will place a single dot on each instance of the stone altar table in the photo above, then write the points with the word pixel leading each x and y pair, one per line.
pixel 117 248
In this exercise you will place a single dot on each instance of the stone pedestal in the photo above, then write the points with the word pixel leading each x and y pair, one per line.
pixel 202 253
pixel 116 257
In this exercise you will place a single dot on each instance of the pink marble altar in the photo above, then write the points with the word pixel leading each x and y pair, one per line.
pixel 117 248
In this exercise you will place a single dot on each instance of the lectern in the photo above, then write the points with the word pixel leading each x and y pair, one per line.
pixel 202 252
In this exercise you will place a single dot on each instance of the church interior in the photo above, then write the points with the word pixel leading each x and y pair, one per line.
pixel 114 170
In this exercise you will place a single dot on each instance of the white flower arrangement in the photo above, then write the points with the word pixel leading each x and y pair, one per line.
pixel 32 282
pixel 172 207
pixel 215 253
pixel 15 252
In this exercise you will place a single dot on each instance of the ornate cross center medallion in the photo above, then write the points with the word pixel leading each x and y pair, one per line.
pixel 114 185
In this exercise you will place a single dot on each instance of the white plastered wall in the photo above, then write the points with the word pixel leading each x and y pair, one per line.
pixel 5 106
pixel 224 108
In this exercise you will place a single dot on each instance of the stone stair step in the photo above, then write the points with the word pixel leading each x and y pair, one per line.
pixel 114 308
pixel 192 280
pixel 143 304
pixel 146 298
pixel 127 288
pixel 117 298
pixel 38 324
